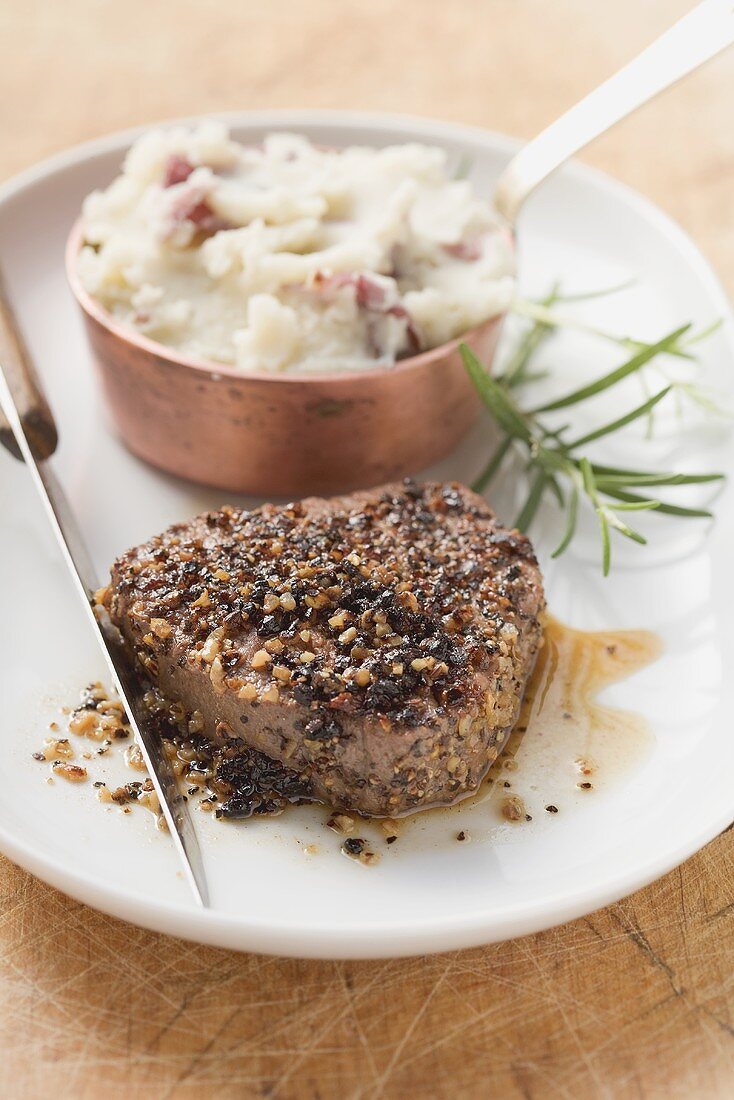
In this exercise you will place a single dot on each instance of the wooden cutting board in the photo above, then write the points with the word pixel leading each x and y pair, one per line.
pixel 636 1001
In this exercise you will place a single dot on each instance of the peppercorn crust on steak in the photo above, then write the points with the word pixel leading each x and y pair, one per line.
pixel 378 643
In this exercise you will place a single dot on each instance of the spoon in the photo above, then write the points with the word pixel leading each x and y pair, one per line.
pixel 696 38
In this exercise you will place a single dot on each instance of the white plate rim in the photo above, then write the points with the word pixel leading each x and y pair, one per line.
pixel 406 937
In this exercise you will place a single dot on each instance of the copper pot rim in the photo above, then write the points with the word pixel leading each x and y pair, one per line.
pixel 210 367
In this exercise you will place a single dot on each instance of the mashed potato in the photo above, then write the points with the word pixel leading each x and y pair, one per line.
pixel 288 257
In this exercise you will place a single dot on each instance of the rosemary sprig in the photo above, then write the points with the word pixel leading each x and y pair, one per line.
pixel 548 319
pixel 556 463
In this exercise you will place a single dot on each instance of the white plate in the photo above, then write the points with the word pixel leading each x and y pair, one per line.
pixel 428 893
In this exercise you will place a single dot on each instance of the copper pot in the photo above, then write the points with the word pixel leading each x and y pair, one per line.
pixel 282 435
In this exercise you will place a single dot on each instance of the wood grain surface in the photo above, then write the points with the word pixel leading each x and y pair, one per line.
pixel 636 1001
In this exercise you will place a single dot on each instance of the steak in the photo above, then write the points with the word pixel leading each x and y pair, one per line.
pixel 378 644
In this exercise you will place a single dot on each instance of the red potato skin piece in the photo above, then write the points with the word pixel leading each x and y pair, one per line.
pixel 370 296
pixel 177 170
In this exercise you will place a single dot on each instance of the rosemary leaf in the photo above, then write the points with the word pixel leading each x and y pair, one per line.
pixel 464 166
pixel 516 371
pixel 611 379
pixel 637 506
pixel 530 506
pixel 573 508
pixel 621 422
pixel 588 295
pixel 666 509
pixel 628 532
pixel 606 544
pixel 494 397
pixel 489 472
pixel 619 471
pixel 703 333
pixel 556 490
pixel 612 480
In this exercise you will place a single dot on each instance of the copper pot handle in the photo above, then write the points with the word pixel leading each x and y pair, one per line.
pixel 23 383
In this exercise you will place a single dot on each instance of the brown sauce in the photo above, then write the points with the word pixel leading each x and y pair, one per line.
pixel 561 703
pixel 566 744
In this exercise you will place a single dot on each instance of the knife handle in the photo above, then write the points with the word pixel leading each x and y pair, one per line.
pixel 35 414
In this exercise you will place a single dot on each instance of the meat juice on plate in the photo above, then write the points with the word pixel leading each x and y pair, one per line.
pixel 564 747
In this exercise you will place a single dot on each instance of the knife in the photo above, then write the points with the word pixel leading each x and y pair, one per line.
pixel 28 431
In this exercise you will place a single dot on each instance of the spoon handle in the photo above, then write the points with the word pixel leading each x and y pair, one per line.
pixel 696 38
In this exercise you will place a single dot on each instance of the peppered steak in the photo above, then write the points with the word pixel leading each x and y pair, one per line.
pixel 378 643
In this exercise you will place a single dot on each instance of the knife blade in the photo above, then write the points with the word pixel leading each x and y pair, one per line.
pixel 128 682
